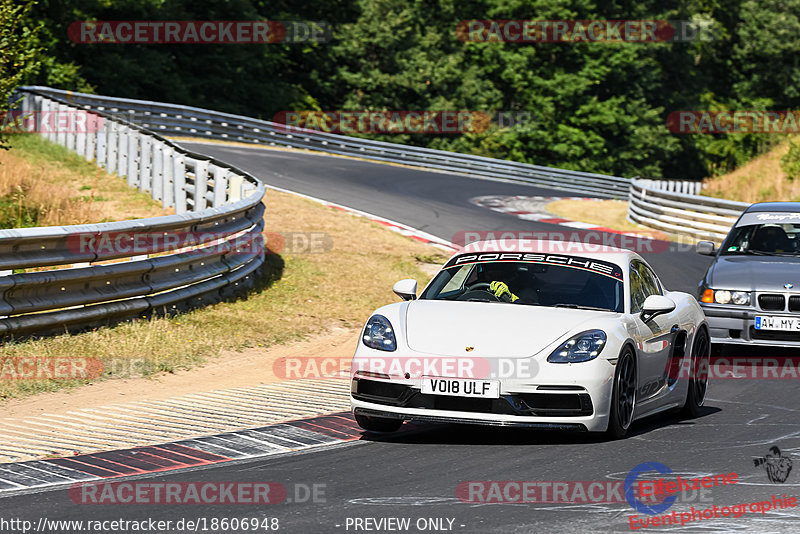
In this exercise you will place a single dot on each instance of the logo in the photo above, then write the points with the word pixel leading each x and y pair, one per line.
pixel 469 349
pixel 733 121
pixel 385 122
pixel 777 466
pixel 629 487
pixel 787 285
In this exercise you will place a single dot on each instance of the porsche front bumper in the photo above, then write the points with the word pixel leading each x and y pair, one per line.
pixel 562 396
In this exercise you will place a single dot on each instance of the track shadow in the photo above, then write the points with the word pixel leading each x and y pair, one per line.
pixel 270 272
pixel 753 352
pixel 462 434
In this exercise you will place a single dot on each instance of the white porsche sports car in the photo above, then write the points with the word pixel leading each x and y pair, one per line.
pixel 506 334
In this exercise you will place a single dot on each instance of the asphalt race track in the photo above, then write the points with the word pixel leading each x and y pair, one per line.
pixel 434 202
pixel 420 473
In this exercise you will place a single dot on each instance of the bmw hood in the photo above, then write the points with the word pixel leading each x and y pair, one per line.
pixel 750 273
pixel 494 330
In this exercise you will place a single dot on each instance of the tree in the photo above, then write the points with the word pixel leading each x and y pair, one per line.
pixel 20 52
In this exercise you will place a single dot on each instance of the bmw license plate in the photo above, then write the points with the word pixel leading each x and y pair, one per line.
pixel 461 387
pixel 766 322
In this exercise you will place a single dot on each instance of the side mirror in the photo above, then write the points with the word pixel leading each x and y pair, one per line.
pixel 706 248
pixel 656 305
pixel 406 289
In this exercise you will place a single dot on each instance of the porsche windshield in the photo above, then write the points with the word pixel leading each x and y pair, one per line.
pixel 770 239
pixel 531 283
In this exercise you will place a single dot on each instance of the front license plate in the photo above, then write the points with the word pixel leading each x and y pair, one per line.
pixel 460 387
pixel 765 322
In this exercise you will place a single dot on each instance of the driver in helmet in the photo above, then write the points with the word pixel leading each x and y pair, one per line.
pixel 495 273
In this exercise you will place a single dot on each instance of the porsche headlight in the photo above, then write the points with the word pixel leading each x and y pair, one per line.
pixel 379 334
pixel 723 296
pixel 581 348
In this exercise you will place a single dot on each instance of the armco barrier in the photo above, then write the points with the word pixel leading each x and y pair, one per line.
pixel 697 216
pixel 687 187
pixel 197 122
pixel 210 198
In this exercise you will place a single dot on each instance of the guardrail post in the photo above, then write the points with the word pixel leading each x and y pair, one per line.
pixel 26 106
pixel 158 170
pixel 60 134
pixel 167 192
pixel 46 121
pixel 179 182
pixel 200 184
pixel 91 138
pixel 235 188
pixel 220 186
pixel 101 143
pixel 111 148
pixel 145 166
pixel 67 123
pixel 133 157
pixel 35 102
pixel 48 108
pixel 122 151
pixel 80 136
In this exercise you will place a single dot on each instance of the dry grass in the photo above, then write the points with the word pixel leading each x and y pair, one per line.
pixel 315 291
pixel 42 184
pixel 610 214
pixel 606 213
pixel 759 180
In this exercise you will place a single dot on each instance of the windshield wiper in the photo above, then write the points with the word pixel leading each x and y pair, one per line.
pixel 576 307
pixel 762 253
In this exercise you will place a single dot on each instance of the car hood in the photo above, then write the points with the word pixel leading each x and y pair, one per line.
pixel 750 273
pixel 495 330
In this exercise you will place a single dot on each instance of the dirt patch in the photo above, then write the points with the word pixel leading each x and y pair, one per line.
pixel 250 367
pixel 610 214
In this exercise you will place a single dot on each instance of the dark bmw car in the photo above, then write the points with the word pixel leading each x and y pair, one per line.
pixel 751 292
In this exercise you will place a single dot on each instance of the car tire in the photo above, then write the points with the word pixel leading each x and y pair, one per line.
pixel 698 379
pixel 623 396
pixel 378 424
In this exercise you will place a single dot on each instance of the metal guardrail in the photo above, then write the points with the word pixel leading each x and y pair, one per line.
pixel 214 202
pixel 697 216
pixel 687 187
pixel 197 122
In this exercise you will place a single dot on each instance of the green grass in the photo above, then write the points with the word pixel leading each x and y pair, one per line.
pixel 16 213
pixel 38 150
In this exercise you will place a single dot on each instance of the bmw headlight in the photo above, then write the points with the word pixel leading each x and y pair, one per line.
pixel 379 334
pixel 581 348
pixel 740 297
pixel 723 296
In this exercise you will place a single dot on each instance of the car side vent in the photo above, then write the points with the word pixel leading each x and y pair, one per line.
pixel 794 303
pixel 771 301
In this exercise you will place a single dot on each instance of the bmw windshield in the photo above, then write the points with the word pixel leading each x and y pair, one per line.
pixel 770 239
pixel 535 279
